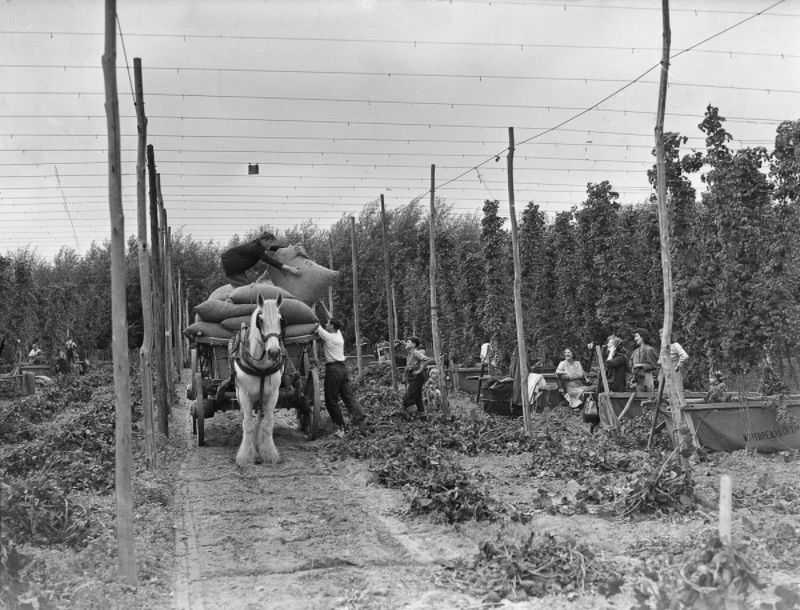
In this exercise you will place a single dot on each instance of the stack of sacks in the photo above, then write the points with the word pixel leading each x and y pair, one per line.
pixel 314 280
pixel 226 308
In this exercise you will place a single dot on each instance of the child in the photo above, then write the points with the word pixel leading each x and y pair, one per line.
pixel 717 391
pixel 431 394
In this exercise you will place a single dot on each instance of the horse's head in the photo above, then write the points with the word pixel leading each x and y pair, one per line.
pixel 265 329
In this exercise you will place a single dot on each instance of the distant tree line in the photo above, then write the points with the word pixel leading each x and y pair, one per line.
pixel 589 272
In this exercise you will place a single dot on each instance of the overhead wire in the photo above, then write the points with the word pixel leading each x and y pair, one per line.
pixel 606 98
pixel 393 74
pixel 350 122
pixel 480 177
pixel 66 208
pixel 624 111
pixel 337 139
pixel 125 55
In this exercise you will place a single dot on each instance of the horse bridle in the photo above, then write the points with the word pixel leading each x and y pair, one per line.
pixel 253 365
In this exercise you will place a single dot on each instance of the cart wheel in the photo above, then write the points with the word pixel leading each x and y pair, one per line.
pixel 199 412
pixel 315 403
pixel 202 405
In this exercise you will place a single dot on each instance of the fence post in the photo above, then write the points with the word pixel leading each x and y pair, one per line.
pixel 28 383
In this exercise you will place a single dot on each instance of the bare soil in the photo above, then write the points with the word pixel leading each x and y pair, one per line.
pixel 314 532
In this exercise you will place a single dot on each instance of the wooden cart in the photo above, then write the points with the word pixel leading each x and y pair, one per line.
pixel 211 368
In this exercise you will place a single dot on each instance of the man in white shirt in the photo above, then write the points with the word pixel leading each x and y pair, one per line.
pixel 337 380
pixel 679 359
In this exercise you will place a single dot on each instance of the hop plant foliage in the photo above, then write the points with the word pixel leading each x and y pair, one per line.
pixel 40 511
pixel 716 576
pixel 540 565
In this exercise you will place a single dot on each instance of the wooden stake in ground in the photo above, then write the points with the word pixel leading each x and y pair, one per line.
pixel 145 282
pixel 119 323
pixel 355 293
pixel 522 349
pixel 725 503
pixel 437 351
pixel 387 280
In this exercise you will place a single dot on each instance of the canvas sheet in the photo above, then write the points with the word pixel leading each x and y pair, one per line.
pixel 730 427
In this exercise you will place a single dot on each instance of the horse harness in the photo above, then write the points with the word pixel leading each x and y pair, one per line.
pixel 256 366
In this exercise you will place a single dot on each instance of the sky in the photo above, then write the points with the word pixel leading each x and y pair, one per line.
pixel 342 101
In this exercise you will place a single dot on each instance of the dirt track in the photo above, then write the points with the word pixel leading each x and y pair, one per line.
pixel 302 534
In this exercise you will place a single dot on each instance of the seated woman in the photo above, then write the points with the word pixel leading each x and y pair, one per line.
pixel 571 379
pixel 35 356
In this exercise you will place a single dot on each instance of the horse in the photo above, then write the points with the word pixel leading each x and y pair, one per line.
pixel 259 367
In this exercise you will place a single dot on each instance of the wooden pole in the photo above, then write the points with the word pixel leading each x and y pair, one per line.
pixel 158 298
pixel 145 282
pixel 170 302
pixel 394 311
pixel 186 342
pixel 356 330
pixel 674 392
pixel 437 350
pixel 387 279
pixel 178 325
pixel 602 366
pixel 174 313
pixel 119 323
pixel 166 277
pixel 725 503
pixel 330 266
pixel 522 350
pixel 166 295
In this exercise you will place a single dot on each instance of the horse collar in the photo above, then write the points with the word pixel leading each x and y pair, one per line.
pixel 251 366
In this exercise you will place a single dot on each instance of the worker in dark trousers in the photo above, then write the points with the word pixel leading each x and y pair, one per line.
pixel 337 379
pixel 416 374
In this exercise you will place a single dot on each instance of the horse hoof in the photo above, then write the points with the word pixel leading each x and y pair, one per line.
pixel 244 460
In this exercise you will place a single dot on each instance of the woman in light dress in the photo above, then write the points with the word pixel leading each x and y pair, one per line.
pixel 571 379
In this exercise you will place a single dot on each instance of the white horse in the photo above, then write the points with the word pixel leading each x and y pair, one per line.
pixel 259 365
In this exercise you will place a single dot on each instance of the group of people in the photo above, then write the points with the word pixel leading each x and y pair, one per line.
pixel 642 364
pixel 67 357
pixel 422 383
pixel 422 379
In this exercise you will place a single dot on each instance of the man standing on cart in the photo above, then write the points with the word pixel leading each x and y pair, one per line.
pixel 237 260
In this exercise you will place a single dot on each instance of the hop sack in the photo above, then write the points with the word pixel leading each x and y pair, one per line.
pixel 251 292
pixel 293 312
pixel 314 280
pixel 207 329
pixel 222 293
pixel 215 311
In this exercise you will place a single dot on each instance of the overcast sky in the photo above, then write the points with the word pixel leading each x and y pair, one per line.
pixel 342 101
